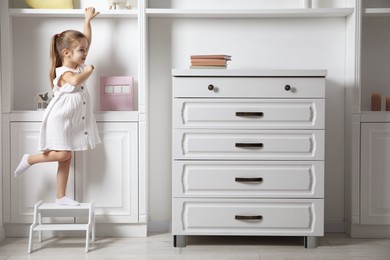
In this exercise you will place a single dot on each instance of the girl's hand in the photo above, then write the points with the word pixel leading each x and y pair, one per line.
pixel 90 13
pixel 89 68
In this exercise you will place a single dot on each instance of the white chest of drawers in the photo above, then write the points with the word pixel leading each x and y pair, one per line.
pixel 248 153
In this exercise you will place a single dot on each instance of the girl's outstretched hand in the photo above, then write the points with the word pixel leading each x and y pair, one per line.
pixel 90 13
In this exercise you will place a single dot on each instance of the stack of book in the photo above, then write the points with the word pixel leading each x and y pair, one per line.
pixel 218 61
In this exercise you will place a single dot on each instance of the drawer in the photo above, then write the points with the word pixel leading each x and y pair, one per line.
pixel 282 179
pixel 249 113
pixel 282 217
pixel 248 144
pixel 249 87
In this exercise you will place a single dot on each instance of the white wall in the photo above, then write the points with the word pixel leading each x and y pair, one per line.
pixel 301 43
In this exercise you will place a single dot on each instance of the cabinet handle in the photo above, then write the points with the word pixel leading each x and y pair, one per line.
pixel 287 87
pixel 249 145
pixel 250 114
pixel 211 87
pixel 241 179
pixel 241 217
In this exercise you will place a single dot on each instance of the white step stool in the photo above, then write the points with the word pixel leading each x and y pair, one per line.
pixel 52 210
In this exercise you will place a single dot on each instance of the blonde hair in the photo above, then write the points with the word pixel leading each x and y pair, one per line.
pixel 65 40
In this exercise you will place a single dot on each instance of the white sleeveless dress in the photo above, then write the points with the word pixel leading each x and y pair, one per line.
pixel 68 123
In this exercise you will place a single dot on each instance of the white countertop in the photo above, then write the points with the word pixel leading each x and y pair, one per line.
pixel 248 73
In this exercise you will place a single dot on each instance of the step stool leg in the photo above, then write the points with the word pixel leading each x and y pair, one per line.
pixel 93 228
pixel 30 239
pixel 40 223
pixel 87 238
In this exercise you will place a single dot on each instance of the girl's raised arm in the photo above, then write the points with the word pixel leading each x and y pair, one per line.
pixel 90 13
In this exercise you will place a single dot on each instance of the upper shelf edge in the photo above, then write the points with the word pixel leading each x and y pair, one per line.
pixel 249 13
pixel 69 13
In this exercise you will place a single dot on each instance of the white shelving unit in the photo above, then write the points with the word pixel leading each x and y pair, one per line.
pixel 119 32
pixel 368 210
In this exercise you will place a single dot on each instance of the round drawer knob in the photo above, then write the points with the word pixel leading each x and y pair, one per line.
pixel 287 87
pixel 211 87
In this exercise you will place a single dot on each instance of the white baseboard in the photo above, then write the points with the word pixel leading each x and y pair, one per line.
pixel 2 233
pixel 160 226
pixel 102 230
pixel 368 231
pixel 128 230
pixel 334 227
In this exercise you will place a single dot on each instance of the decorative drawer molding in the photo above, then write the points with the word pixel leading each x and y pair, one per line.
pixel 248 216
pixel 248 87
pixel 248 144
pixel 249 114
pixel 291 179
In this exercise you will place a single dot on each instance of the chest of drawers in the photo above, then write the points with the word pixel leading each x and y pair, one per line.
pixel 248 153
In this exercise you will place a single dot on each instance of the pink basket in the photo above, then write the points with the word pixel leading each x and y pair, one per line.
pixel 116 93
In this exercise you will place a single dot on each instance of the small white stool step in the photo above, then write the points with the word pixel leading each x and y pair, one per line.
pixel 52 210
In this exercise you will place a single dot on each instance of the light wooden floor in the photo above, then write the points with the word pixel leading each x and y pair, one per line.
pixel 333 246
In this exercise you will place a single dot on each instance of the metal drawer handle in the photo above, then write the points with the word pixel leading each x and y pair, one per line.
pixel 250 114
pixel 241 179
pixel 249 145
pixel 241 217
pixel 287 87
pixel 210 87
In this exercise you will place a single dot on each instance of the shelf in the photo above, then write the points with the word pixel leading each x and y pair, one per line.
pixel 249 13
pixel 71 13
pixel 376 12
pixel 100 116
pixel 375 117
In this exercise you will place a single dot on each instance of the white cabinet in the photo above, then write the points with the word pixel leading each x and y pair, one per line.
pixel 38 183
pixel 109 174
pixel 375 177
pixel 248 153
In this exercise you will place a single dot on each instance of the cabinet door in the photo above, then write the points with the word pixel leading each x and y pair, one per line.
pixel 39 182
pixel 108 174
pixel 375 173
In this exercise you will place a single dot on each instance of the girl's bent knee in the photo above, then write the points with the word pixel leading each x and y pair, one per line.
pixel 63 156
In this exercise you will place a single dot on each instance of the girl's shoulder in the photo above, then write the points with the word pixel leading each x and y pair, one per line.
pixel 62 69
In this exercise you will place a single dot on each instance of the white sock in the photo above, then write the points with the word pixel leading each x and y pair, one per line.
pixel 65 201
pixel 23 166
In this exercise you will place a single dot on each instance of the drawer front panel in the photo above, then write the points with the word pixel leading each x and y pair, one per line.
pixel 303 179
pixel 248 87
pixel 248 217
pixel 249 114
pixel 249 145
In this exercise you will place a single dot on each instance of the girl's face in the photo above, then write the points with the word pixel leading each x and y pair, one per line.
pixel 79 53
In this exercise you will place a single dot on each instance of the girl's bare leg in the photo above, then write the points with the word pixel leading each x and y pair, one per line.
pixel 49 156
pixel 64 159
pixel 62 181
pixel 62 176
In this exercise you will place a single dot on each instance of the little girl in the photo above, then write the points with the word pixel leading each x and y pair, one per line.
pixel 68 124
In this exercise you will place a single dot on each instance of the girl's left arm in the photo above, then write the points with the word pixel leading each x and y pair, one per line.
pixel 90 13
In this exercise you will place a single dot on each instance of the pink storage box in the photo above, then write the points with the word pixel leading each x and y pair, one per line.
pixel 116 93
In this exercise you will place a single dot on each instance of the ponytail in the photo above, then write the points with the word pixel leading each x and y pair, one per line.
pixel 55 57
pixel 65 40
